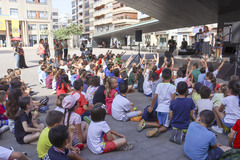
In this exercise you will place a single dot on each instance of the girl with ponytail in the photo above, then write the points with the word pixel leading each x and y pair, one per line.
pixel 110 93
pixel 210 81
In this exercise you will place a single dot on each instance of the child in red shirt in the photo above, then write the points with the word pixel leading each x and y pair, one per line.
pixel 63 86
pixel 3 118
pixel 83 108
pixel 235 131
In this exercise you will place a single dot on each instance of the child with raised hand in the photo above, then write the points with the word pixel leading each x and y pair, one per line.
pixel 53 119
pixel 23 133
pixel 204 103
pixel 59 103
pixel 231 105
pixel 95 83
pixel 59 138
pixel 110 93
pixel 101 138
pixel 200 143
pixel 70 104
pixel 181 112
pixel 165 92
pixel 122 108
pixel 3 114
pixel 64 85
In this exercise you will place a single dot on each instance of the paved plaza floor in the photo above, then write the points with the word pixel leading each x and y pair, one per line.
pixel 144 148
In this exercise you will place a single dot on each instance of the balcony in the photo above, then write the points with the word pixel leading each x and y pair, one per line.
pixel 102 21
pixel 125 21
pixel 80 2
pixel 80 10
pixel 99 13
pixel 80 17
pixel 124 9
pixel 100 3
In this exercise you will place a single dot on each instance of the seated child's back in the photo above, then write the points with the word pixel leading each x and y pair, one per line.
pixel 205 102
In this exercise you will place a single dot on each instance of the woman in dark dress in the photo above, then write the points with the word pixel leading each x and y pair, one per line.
pixel 22 63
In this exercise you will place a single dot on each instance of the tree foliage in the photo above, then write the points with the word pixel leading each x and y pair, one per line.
pixel 67 32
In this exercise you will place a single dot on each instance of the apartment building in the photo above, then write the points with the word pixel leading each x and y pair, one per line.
pixel 33 17
pixel 82 13
pixel 55 19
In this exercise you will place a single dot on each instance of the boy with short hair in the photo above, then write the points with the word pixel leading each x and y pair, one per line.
pixel 83 108
pixel 122 108
pixel 204 103
pixel 59 138
pixel 199 139
pixel 202 75
pixel 181 111
pixel 43 75
pixel 131 79
pixel 165 92
pixel 53 119
pixel 116 73
pixel 195 72
pixel 49 79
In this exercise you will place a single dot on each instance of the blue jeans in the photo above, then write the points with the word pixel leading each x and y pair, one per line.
pixel 17 57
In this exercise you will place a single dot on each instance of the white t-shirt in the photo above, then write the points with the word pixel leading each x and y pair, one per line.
pixel 95 134
pixel 215 73
pixel 179 80
pixel 164 91
pixel 65 68
pixel 60 109
pixel 120 106
pixel 204 104
pixel 5 153
pixel 147 86
pixel 232 109
pixel 206 37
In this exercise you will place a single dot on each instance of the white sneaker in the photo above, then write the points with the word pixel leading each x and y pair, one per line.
pixel 217 129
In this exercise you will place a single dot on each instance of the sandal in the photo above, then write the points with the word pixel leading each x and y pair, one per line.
pixel 141 125
pixel 153 133
pixel 126 147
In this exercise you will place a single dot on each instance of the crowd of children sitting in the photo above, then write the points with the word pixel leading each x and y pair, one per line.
pixel 185 101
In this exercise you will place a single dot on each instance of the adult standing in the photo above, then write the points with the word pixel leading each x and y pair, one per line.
pixel 82 48
pixel 65 45
pixel 41 49
pixel 219 38
pixel 60 49
pixel 57 51
pixel 22 63
pixel 46 46
pixel 16 52
pixel 172 44
pixel 184 44
pixel 198 41
pixel 206 50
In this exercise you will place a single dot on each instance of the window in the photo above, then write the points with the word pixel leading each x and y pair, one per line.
pixel 109 5
pixel 32 40
pixel 13 12
pixel 73 11
pixel 13 0
pixel 43 37
pixel 55 13
pixel 86 13
pixel 87 21
pixel 31 14
pixel 73 4
pixel 87 29
pixel 55 20
pixel 32 27
pixel 43 26
pixel 74 18
pixel 30 1
pixel 55 26
pixel 42 1
pixel 87 5
pixel 109 15
pixel 42 15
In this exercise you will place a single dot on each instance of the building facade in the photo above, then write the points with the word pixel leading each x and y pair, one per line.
pixel 55 19
pixel 33 16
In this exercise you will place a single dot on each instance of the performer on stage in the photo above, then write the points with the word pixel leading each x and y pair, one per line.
pixel 219 38
pixel 172 45
pixel 206 49
pixel 198 42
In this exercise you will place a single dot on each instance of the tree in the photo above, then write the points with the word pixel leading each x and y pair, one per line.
pixel 67 32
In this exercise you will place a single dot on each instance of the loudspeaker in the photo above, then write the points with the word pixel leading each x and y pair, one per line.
pixel 138 35
pixel 236 32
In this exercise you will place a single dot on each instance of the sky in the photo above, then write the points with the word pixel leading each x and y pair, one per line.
pixel 64 6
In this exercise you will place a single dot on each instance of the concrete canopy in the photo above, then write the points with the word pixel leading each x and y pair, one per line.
pixel 172 14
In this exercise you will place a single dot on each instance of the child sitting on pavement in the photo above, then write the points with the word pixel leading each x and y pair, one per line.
pixel 200 143
pixel 59 138
pixel 101 138
pixel 122 108
pixel 204 103
pixel 3 114
pixel 181 111
pixel 165 92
